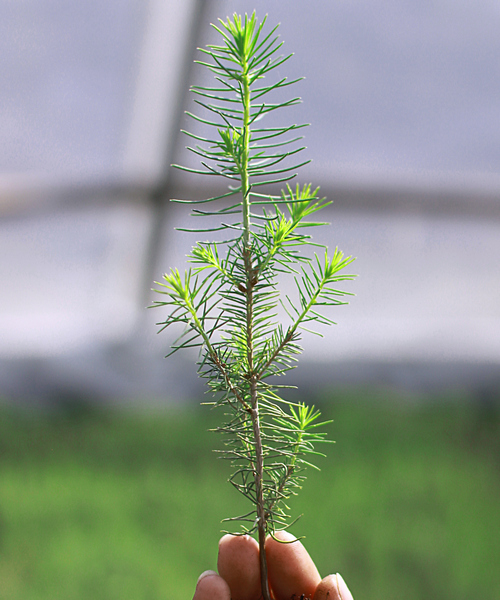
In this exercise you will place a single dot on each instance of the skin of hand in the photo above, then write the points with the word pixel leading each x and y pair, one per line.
pixel 292 573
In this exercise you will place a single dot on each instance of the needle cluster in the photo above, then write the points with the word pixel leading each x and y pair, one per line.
pixel 229 300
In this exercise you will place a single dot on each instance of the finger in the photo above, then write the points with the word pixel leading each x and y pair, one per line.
pixel 291 570
pixel 332 587
pixel 211 586
pixel 238 564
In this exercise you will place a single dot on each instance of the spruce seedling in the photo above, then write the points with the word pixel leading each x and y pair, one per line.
pixel 228 302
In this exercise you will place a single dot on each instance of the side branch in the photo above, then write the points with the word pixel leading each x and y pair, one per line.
pixel 227 379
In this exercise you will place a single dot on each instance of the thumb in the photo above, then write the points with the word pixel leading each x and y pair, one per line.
pixel 211 586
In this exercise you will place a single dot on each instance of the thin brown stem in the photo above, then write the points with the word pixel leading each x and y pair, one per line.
pixel 259 452
pixel 251 280
pixel 261 513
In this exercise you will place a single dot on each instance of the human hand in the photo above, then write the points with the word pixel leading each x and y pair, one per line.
pixel 292 573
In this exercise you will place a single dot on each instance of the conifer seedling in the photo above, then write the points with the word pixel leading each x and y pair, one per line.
pixel 229 303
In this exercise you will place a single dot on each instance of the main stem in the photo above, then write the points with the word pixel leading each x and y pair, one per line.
pixel 252 376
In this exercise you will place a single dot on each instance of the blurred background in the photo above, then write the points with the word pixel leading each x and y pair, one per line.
pixel 106 472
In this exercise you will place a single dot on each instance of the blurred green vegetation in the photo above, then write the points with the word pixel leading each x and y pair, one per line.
pixel 126 505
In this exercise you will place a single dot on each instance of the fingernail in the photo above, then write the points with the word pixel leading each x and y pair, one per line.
pixel 343 590
pixel 205 574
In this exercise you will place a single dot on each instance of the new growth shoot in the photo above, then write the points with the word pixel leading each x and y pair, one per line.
pixel 228 300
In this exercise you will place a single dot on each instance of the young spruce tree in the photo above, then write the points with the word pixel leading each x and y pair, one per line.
pixel 228 301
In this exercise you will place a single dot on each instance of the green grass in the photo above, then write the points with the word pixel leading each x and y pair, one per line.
pixel 127 506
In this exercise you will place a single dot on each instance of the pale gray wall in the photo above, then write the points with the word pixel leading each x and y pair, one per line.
pixel 403 102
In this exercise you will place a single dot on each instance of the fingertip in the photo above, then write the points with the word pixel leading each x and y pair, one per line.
pixel 211 586
pixel 332 587
pixel 238 563
pixel 225 539
pixel 345 593
pixel 205 574
pixel 291 569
